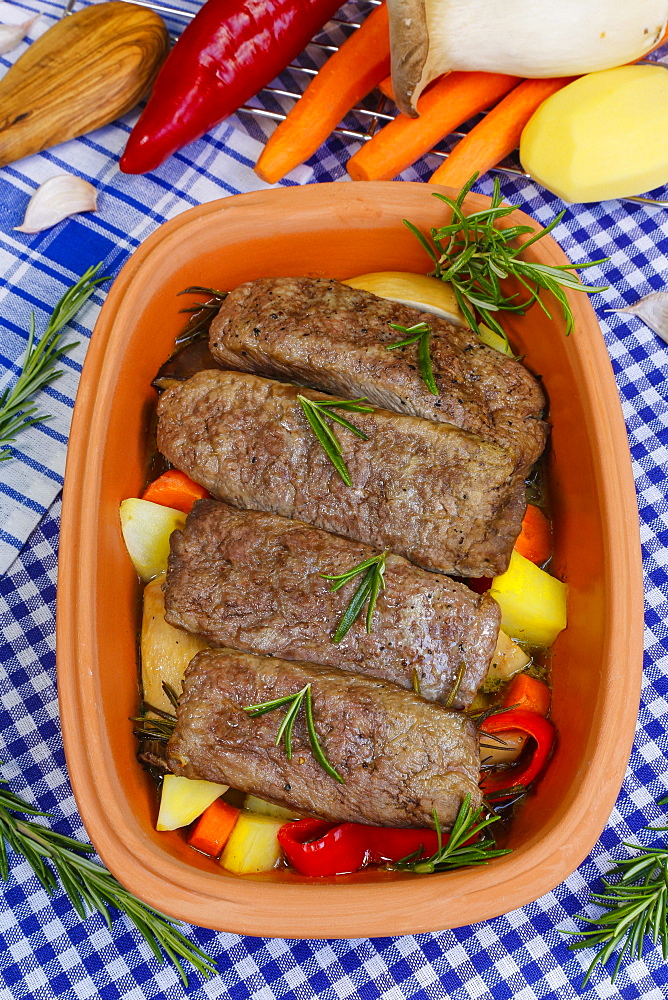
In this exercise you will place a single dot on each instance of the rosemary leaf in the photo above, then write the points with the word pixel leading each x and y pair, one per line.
pixel 89 886
pixel 38 369
pixel 318 411
pixel 315 744
pixel 202 313
pixel 419 334
pixel 475 255
pixel 372 583
pixel 635 906
pixel 295 701
pixel 455 852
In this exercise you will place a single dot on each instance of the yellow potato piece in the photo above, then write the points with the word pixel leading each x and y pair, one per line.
pixel 508 659
pixel 165 651
pixel 146 531
pixel 418 290
pixel 603 136
pixel 533 603
pixel 183 799
pixel 252 846
pixel 255 805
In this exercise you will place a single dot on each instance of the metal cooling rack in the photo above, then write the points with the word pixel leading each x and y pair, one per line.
pixel 272 103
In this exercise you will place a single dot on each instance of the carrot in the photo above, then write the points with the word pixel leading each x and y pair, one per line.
pixel 174 489
pixel 452 100
pixel 212 830
pixel 527 693
pixel 347 76
pixel 497 134
pixel 535 539
pixel 385 87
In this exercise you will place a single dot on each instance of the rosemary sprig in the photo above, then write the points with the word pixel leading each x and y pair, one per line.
pixel 372 583
pixel 160 728
pixel 38 368
pixel 89 886
pixel 295 702
pixel 317 412
pixel 455 852
pixel 454 691
pixel 202 313
pixel 636 905
pixel 420 332
pixel 476 256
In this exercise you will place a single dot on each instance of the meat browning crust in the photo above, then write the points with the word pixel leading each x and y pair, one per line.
pixel 401 757
pixel 324 334
pixel 254 581
pixel 440 496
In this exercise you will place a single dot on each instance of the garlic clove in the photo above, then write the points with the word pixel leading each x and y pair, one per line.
pixel 12 35
pixel 55 200
pixel 653 311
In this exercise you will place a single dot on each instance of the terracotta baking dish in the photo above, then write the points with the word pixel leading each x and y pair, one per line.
pixel 337 230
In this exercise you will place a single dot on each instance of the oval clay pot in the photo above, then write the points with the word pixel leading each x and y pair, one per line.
pixel 339 230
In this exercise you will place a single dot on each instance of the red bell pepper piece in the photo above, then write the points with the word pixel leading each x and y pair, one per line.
pixel 314 847
pixel 229 51
pixel 533 725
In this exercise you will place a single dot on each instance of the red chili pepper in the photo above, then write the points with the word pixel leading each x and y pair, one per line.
pixel 229 51
pixel 533 725
pixel 314 847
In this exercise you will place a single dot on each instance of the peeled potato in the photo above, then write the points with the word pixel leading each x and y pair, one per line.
pixel 182 800
pixel 146 530
pixel 533 603
pixel 421 291
pixel 603 136
pixel 165 651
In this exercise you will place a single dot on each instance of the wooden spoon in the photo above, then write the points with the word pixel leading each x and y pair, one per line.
pixel 84 72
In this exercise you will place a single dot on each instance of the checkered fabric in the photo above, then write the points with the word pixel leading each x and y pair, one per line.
pixel 46 951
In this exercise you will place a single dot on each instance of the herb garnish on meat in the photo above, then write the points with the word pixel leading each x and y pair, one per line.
pixel 317 412
pixel 476 256
pixel 295 702
pixel 372 583
pixel 455 852
pixel 420 332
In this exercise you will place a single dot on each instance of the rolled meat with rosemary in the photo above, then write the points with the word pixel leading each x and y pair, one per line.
pixel 356 750
pixel 441 497
pixel 267 584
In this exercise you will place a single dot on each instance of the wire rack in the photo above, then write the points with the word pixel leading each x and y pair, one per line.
pixel 272 103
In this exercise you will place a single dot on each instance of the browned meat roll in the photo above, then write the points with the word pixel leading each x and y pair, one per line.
pixel 400 757
pixel 254 581
pixel 329 336
pixel 440 496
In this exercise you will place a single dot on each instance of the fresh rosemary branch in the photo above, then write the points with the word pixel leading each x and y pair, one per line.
pixel 89 886
pixel 38 368
pixel 476 256
pixel 295 702
pixel 317 412
pixel 455 852
pixel 420 333
pixel 372 583
pixel 161 728
pixel 202 313
pixel 636 905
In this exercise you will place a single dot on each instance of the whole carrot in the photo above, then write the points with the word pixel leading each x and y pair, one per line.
pixel 450 102
pixel 347 76
pixel 497 134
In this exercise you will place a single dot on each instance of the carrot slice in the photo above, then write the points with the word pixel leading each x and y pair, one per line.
pixel 212 830
pixel 174 489
pixel 451 101
pixel 528 694
pixel 535 539
pixel 497 134
pixel 347 76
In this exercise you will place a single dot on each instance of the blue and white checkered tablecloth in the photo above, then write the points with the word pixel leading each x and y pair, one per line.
pixel 46 951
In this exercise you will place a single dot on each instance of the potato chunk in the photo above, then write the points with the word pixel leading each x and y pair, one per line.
pixel 147 528
pixel 533 603
pixel 603 136
pixel 165 651
pixel 252 846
